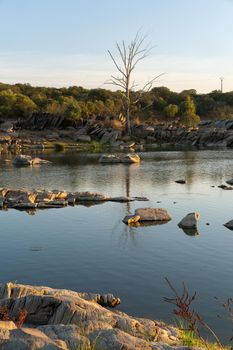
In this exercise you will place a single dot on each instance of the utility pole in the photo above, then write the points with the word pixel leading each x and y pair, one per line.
pixel 221 80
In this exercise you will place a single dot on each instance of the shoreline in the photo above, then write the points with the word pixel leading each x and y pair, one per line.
pixel 68 320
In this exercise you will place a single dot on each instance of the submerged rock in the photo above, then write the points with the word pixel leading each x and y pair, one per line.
pixel 189 221
pixel 153 214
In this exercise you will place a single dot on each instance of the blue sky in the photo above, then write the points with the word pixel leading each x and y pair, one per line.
pixel 65 42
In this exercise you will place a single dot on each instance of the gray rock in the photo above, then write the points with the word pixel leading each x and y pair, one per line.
pixel 24 160
pixel 189 221
pixel 229 182
pixel 83 138
pixel 90 196
pixel 109 158
pixel 180 181
pixel 153 214
pixel 229 224
pixel 121 199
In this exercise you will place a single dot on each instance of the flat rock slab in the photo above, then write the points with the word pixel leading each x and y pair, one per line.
pixel 129 158
pixel 153 214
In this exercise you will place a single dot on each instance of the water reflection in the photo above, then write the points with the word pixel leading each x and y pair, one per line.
pixel 190 231
pixel 90 249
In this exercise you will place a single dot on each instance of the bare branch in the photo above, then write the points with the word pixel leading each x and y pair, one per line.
pixel 117 66
pixel 128 57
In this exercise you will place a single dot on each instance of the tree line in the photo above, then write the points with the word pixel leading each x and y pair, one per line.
pixel 158 105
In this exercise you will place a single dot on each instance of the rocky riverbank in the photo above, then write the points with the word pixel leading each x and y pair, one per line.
pixel 42 133
pixel 63 319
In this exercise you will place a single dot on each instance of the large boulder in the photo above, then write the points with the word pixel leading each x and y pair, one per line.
pixel 153 214
pixel 190 220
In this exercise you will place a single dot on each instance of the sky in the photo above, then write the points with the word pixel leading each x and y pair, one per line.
pixel 65 42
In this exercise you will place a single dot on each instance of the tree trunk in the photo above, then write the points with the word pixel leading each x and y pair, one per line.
pixel 127 124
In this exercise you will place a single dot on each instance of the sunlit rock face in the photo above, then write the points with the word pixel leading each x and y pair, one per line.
pixel 64 319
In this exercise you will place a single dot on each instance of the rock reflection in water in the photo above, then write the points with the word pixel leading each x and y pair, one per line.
pixel 190 231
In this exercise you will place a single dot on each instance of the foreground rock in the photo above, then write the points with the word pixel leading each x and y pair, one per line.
pixel 42 199
pixel 24 160
pixel 63 319
pixel 189 221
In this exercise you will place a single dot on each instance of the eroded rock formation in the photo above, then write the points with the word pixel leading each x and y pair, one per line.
pixel 63 319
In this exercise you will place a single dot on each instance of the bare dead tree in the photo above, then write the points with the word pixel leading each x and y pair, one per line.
pixel 129 55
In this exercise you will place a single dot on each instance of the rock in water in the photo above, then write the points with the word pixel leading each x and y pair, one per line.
pixel 38 161
pixel 109 158
pixel 90 196
pixel 189 221
pixel 180 182
pixel 131 158
pixel 153 214
pixel 229 225
pixel 22 160
pixel 131 219
pixel 229 182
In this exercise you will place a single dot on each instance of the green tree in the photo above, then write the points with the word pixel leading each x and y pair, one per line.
pixel 171 111
pixel 188 114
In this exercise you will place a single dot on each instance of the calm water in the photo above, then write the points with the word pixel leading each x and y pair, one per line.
pixel 90 249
